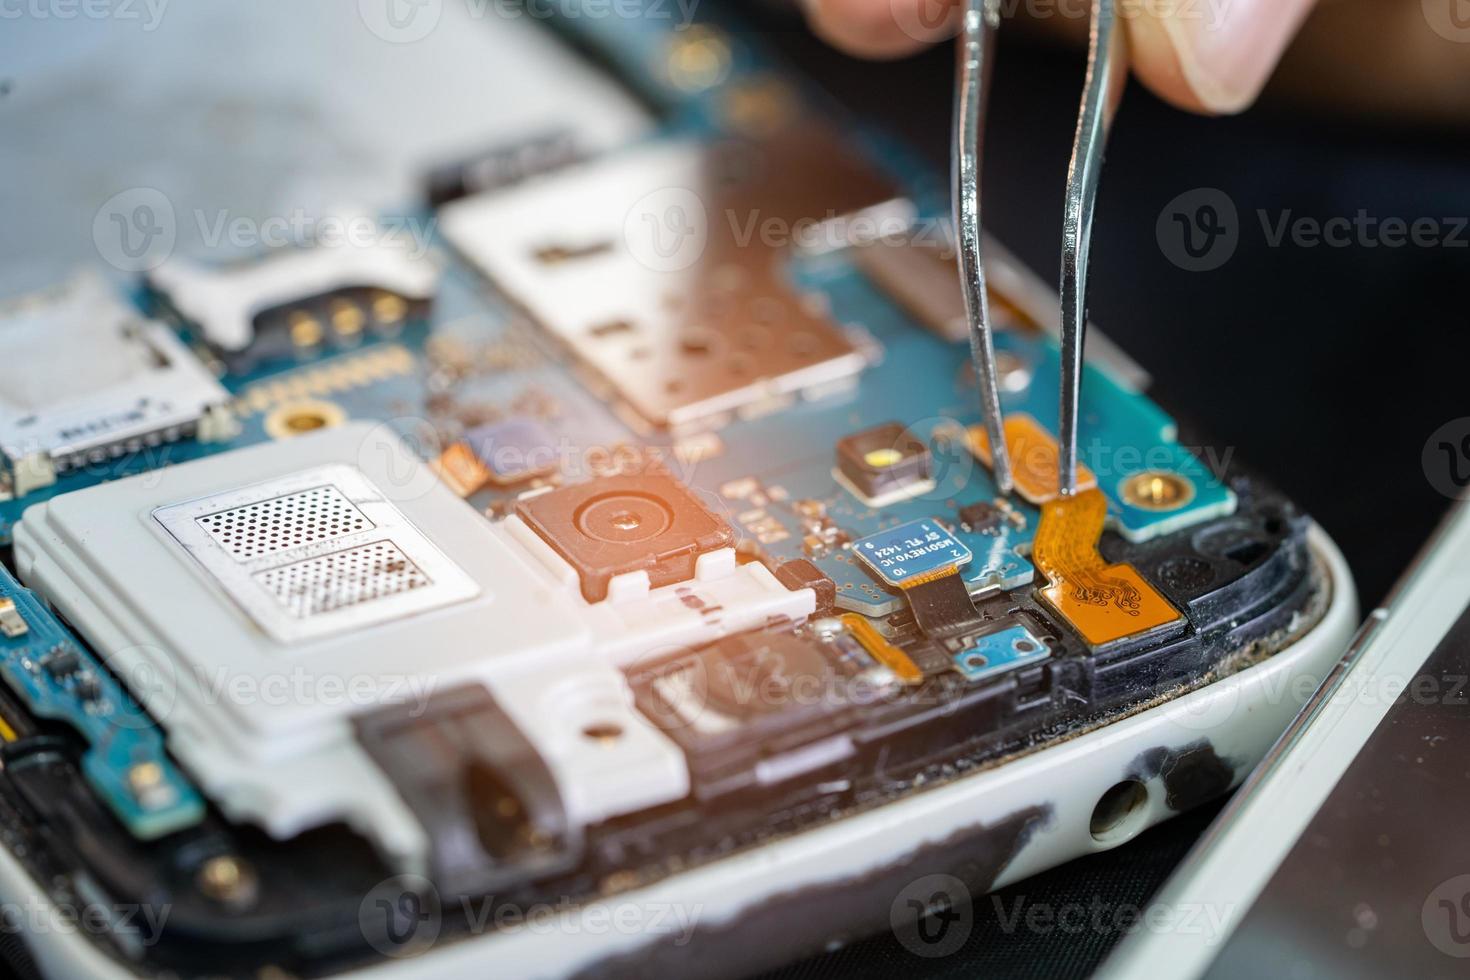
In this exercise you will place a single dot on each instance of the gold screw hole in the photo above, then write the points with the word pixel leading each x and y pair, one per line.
pixel 1158 490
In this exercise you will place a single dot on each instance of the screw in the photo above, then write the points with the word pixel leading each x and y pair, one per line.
pixel 228 880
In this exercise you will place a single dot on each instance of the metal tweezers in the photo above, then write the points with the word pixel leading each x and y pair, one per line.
pixel 1107 69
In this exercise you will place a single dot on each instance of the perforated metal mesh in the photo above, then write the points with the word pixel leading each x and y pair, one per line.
pixel 268 526
pixel 316 552
pixel 342 579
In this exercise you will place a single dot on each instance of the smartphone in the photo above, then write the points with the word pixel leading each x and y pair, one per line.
pixel 501 488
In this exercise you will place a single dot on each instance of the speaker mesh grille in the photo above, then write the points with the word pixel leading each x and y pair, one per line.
pixel 343 578
pixel 279 523
pixel 317 552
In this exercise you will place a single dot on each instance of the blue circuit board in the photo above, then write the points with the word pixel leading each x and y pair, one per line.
pixel 926 384
pixel 920 381
pixel 58 677
pixel 1004 650
pixel 476 360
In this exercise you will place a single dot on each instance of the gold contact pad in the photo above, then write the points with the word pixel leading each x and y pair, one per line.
pixel 927 577
pixel 1035 458
pixel 1102 602
pixel 461 469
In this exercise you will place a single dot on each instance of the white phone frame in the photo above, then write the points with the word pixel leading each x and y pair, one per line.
pixel 1241 716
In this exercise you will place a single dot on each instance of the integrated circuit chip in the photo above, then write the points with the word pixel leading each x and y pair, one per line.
pixel 753 711
pixel 514 450
pixel 913 553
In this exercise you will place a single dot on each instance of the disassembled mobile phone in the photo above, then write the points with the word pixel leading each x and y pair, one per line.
pixel 593 519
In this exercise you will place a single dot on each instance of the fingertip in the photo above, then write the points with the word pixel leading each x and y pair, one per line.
pixel 1214 60
pixel 1155 63
pixel 880 28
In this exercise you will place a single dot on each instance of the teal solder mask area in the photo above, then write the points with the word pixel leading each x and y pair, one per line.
pixel 1121 434
pixel 775 478
pixel 999 652
pixel 58 678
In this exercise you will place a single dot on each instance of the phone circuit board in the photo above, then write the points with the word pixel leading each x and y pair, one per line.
pixel 519 476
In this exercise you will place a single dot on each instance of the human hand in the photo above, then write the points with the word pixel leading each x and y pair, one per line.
pixel 1205 55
